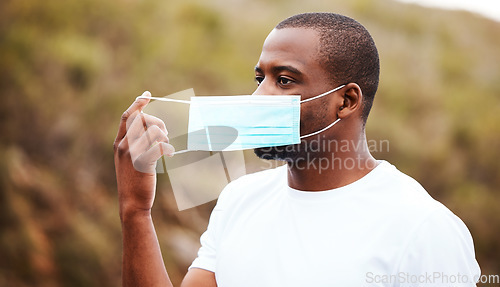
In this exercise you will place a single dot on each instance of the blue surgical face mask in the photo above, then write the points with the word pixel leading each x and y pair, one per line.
pixel 227 123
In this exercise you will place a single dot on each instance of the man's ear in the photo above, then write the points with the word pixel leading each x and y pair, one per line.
pixel 353 97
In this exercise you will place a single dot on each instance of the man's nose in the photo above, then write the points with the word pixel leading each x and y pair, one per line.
pixel 257 91
pixel 266 88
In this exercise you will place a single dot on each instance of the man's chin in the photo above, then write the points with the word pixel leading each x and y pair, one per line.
pixel 286 152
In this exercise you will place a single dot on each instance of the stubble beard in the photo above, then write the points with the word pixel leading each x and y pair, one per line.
pixel 288 153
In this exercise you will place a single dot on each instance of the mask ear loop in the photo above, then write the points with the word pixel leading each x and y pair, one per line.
pixel 322 130
pixel 322 95
pixel 316 97
pixel 164 99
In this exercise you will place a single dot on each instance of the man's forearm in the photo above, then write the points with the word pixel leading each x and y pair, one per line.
pixel 142 260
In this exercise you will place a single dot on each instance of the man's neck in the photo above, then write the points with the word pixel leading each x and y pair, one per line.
pixel 340 165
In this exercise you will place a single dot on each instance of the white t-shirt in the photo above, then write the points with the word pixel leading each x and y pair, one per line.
pixel 382 230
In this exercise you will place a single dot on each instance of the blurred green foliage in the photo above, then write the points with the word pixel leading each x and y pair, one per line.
pixel 68 69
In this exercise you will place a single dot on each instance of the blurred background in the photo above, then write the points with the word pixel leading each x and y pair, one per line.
pixel 68 69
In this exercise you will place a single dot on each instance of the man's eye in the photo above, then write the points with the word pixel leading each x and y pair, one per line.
pixel 259 79
pixel 284 81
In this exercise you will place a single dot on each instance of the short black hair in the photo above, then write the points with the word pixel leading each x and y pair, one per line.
pixel 347 51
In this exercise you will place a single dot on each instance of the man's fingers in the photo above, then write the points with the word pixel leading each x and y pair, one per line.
pixel 135 127
pixel 149 120
pixel 140 122
pixel 147 149
pixel 146 162
pixel 146 141
pixel 137 105
pixel 167 149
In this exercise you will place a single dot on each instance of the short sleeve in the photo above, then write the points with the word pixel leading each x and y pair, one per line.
pixel 440 253
pixel 207 253
pixel 206 258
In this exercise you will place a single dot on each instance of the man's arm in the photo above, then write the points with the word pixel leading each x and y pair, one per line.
pixel 197 277
pixel 142 260
pixel 141 140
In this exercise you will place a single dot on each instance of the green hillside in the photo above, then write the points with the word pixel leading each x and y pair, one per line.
pixel 68 69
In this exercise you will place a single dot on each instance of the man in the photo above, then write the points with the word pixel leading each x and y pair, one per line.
pixel 355 221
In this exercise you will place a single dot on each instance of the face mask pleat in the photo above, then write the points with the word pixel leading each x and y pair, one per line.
pixel 257 121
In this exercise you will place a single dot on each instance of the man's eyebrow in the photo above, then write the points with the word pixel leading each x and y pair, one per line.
pixel 277 69
pixel 287 68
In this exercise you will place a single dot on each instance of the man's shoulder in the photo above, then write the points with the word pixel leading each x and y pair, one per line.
pixel 406 197
pixel 400 185
pixel 399 205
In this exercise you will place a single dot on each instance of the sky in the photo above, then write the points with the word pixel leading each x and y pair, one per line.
pixel 486 8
